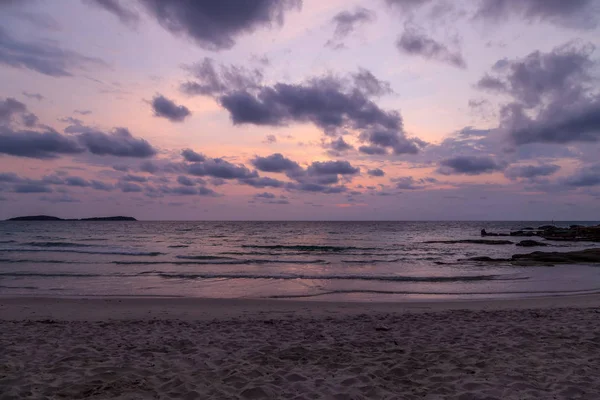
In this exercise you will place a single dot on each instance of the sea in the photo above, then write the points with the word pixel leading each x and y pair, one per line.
pixel 323 261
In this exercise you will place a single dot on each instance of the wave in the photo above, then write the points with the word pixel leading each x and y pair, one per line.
pixel 6 241
pixel 307 247
pixel 108 252
pixel 222 262
pixel 18 260
pixel 203 258
pixel 388 278
pixel 57 244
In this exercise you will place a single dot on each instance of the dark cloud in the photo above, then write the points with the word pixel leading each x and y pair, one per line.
pixel 410 183
pixel 214 25
pixel 29 120
pixel 346 22
pixel 414 42
pixel 98 185
pixel 380 139
pixel 116 7
pixel 149 167
pixel 118 143
pixel 407 5
pixel 580 14
pixel 211 79
pixel 530 171
pixel 332 168
pixel 367 83
pixel 469 165
pixel 134 178
pixel 35 96
pixel 265 195
pixel 555 99
pixel 219 168
pixel 275 163
pixel 260 182
pixel 166 108
pixel 588 175
pixel 71 120
pixel 43 145
pixel 337 147
pixel 9 177
pixel 43 57
pixel 324 102
pixel 372 150
pixel 82 112
pixel 376 172
pixel 65 198
pixel 128 187
pixel 191 156
pixel 540 76
pixel 31 188
pixel 185 181
pixel 76 181
pixel 9 107
pixel 316 188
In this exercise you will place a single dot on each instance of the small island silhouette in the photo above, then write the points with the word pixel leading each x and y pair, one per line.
pixel 51 218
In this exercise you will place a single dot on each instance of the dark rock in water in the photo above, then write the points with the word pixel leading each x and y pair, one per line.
pixel 527 229
pixel 530 243
pixel 570 257
pixel 472 241
pixel 523 233
pixel 488 259
pixel 540 258
pixel 576 226
pixel 50 218
pixel 547 227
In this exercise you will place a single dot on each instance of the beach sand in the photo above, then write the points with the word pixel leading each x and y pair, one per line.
pixel 159 348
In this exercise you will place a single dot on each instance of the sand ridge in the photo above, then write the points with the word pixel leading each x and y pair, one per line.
pixel 455 354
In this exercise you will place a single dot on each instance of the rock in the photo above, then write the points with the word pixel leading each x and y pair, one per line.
pixel 471 241
pixel 569 257
pixel 487 259
pixel 547 227
pixel 530 243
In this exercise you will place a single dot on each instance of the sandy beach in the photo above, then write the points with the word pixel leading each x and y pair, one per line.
pixel 155 348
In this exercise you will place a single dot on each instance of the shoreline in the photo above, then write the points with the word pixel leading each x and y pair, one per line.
pixel 191 308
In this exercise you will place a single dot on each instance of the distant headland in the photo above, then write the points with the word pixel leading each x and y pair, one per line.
pixel 51 218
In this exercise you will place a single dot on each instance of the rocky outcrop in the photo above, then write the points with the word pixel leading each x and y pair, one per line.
pixel 530 243
pixel 472 241
pixel 542 258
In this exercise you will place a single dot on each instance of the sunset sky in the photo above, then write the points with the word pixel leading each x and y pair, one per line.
pixel 300 110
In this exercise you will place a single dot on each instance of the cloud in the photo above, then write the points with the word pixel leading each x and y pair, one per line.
pixel 118 143
pixel 264 195
pixel 191 156
pixel 376 172
pixel 346 22
pixel 367 83
pixel 579 14
pixel 149 167
pixel 42 145
pixel 134 178
pixel 211 79
pixel 331 168
pixel 262 182
pixel 82 112
pixel 275 163
pixel 219 168
pixel 215 25
pixel 372 150
pixel 380 139
pixel 270 139
pixel 469 165
pixel 337 147
pixel 36 96
pixel 10 107
pixel 43 57
pixel 588 175
pixel 410 183
pixel 185 181
pixel 98 185
pixel 316 188
pixel 125 15
pixel 31 188
pixel 530 171
pixel 76 181
pixel 554 97
pixel 413 42
pixel 539 76
pixel 128 187
pixel 166 108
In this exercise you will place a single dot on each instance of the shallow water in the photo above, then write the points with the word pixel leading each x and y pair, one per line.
pixel 367 261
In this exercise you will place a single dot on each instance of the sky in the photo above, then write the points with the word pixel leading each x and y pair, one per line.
pixel 300 109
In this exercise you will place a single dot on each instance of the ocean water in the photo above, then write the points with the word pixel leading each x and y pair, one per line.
pixel 349 261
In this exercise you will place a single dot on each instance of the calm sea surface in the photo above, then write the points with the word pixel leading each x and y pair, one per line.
pixel 363 261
